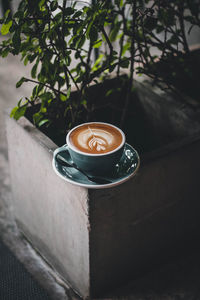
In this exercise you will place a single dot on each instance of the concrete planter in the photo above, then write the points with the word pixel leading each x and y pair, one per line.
pixel 97 239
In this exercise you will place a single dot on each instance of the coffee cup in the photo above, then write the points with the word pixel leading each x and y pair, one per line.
pixel 95 147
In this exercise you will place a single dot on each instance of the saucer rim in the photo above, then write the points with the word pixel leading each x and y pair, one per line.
pixel 98 186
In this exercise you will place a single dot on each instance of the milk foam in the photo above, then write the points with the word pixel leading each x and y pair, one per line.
pixel 95 138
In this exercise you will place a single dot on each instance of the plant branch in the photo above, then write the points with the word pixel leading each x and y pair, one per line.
pixel 108 42
pixel 182 27
pixel 102 69
pixel 62 42
pixel 46 85
pixel 121 48
pixel 132 51
pixel 87 68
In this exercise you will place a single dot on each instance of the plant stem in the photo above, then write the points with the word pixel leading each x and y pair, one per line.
pixel 87 69
pixel 63 38
pixel 102 69
pixel 108 42
pixel 182 27
pixel 62 42
pixel 46 85
pixel 130 82
pixel 120 52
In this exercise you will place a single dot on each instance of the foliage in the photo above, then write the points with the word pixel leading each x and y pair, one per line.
pixel 166 33
pixel 60 39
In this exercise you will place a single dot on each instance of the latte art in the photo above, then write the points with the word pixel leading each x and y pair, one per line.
pixel 95 138
pixel 97 143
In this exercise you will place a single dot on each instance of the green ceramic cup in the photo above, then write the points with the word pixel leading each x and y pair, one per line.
pixel 96 164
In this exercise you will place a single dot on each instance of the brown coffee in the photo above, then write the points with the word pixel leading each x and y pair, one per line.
pixel 95 138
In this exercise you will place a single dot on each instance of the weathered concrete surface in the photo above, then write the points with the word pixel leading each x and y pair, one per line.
pixel 78 230
pixel 169 111
pixel 11 70
pixel 145 220
pixel 52 213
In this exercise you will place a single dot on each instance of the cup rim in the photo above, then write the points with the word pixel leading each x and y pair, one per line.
pixel 95 154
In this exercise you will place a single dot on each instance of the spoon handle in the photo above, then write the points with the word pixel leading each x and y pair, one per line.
pixel 73 165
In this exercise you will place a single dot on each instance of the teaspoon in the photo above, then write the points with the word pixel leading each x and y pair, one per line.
pixel 94 179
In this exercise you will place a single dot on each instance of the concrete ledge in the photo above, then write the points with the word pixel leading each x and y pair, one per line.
pixel 97 239
pixel 50 211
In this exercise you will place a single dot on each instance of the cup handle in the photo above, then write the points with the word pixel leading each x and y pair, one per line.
pixel 60 150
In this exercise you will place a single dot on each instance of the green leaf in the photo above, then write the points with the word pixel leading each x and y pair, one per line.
pixel 5 52
pixel 68 92
pixel 19 102
pixel 46 96
pixel 189 19
pixel 150 23
pixel 40 88
pixel 93 34
pixel 6 27
pixel 173 40
pixel 124 64
pixel 37 118
pixel 26 60
pixel 42 122
pixel 69 11
pixel 88 29
pixel 71 40
pixel 65 97
pixel 32 57
pixel 84 102
pixel 80 42
pixel 97 62
pixel 34 70
pixel 125 48
pixel 7 13
pixel 19 14
pixel 111 68
pixel 109 92
pixel 16 40
pixel 77 14
pixel 114 32
pixel 34 92
pixel 54 5
pixel 20 82
pixel 60 80
pixel 97 44
pixel 43 109
pixel 58 18
pixel 18 112
pixel 41 3
pixel 13 111
pixel 159 29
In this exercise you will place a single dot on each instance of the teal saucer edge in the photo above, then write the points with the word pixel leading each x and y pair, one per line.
pixel 125 169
